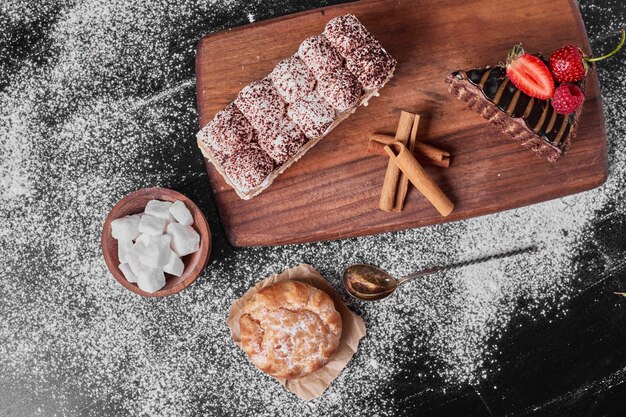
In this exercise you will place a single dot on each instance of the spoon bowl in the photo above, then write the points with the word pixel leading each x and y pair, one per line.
pixel 367 282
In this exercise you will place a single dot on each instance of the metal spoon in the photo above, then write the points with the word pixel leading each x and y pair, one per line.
pixel 370 283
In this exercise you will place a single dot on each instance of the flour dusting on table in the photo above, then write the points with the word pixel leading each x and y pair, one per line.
pixel 102 103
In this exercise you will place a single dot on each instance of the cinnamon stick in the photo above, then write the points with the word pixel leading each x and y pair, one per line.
pixel 392 175
pixel 402 158
pixel 403 181
pixel 434 154
pixel 424 153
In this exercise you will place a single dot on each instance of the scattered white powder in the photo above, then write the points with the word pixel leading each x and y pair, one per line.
pixel 105 97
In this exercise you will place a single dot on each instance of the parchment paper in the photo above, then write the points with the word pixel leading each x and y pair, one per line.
pixel 314 384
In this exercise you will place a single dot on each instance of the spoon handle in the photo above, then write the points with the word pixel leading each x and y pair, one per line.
pixel 435 269
pixel 418 274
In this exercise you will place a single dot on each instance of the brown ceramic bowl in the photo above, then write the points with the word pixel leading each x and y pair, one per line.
pixel 136 203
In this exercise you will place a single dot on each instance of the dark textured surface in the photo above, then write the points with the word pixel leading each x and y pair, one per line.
pixel 88 113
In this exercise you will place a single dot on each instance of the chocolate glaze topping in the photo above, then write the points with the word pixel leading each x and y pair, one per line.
pixel 538 115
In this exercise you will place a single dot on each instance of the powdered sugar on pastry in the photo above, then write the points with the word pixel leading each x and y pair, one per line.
pixel 289 329
pixel 282 141
pixel 229 131
pixel 313 115
pixel 261 104
pixel 346 34
pixel 340 89
pixel 371 64
pixel 249 167
pixel 293 79
pixel 319 55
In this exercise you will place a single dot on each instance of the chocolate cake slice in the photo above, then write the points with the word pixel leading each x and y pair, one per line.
pixel 531 122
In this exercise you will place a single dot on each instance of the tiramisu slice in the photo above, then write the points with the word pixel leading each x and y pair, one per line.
pixel 274 121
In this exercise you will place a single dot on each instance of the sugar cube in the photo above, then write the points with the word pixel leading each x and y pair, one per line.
pixel 135 264
pixel 157 208
pixel 156 253
pixel 154 226
pixel 126 228
pixel 128 272
pixel 151 280
pixel 160 245
pixel 185 239
pixel 123 246
pixel 175 265
pixel 181 213
pixel 143 238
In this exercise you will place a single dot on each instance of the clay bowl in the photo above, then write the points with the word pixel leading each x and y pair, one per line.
pixel 136 203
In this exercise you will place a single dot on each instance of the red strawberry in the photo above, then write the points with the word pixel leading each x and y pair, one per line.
pixel 568 64
pixel 567 98
pixel 529 74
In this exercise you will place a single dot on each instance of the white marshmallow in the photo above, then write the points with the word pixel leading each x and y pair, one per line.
pixel 151 280
pixel 154 226
pixel 175 265
pixel 185 239
pixel 123 246
pixel 135 264
pixel 155 254
pixel 128 273
pixel 126 228
pixel 159 209
pixel 143 238
pixel 181 213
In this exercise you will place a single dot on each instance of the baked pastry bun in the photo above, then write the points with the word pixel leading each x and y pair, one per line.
pixel 290 329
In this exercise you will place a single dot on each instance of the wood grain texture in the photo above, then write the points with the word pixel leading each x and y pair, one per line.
pixel 333 191
pixel 136 203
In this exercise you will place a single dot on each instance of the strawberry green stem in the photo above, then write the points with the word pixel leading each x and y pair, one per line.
pixel 516 52
pixel 610 54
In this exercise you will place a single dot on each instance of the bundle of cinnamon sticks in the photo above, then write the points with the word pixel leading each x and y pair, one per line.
pixel 404 166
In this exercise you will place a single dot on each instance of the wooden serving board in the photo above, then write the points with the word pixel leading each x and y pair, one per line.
pixel 333 191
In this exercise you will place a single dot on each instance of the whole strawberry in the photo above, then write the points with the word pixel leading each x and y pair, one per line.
pixel 569 64
pixel 567 98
